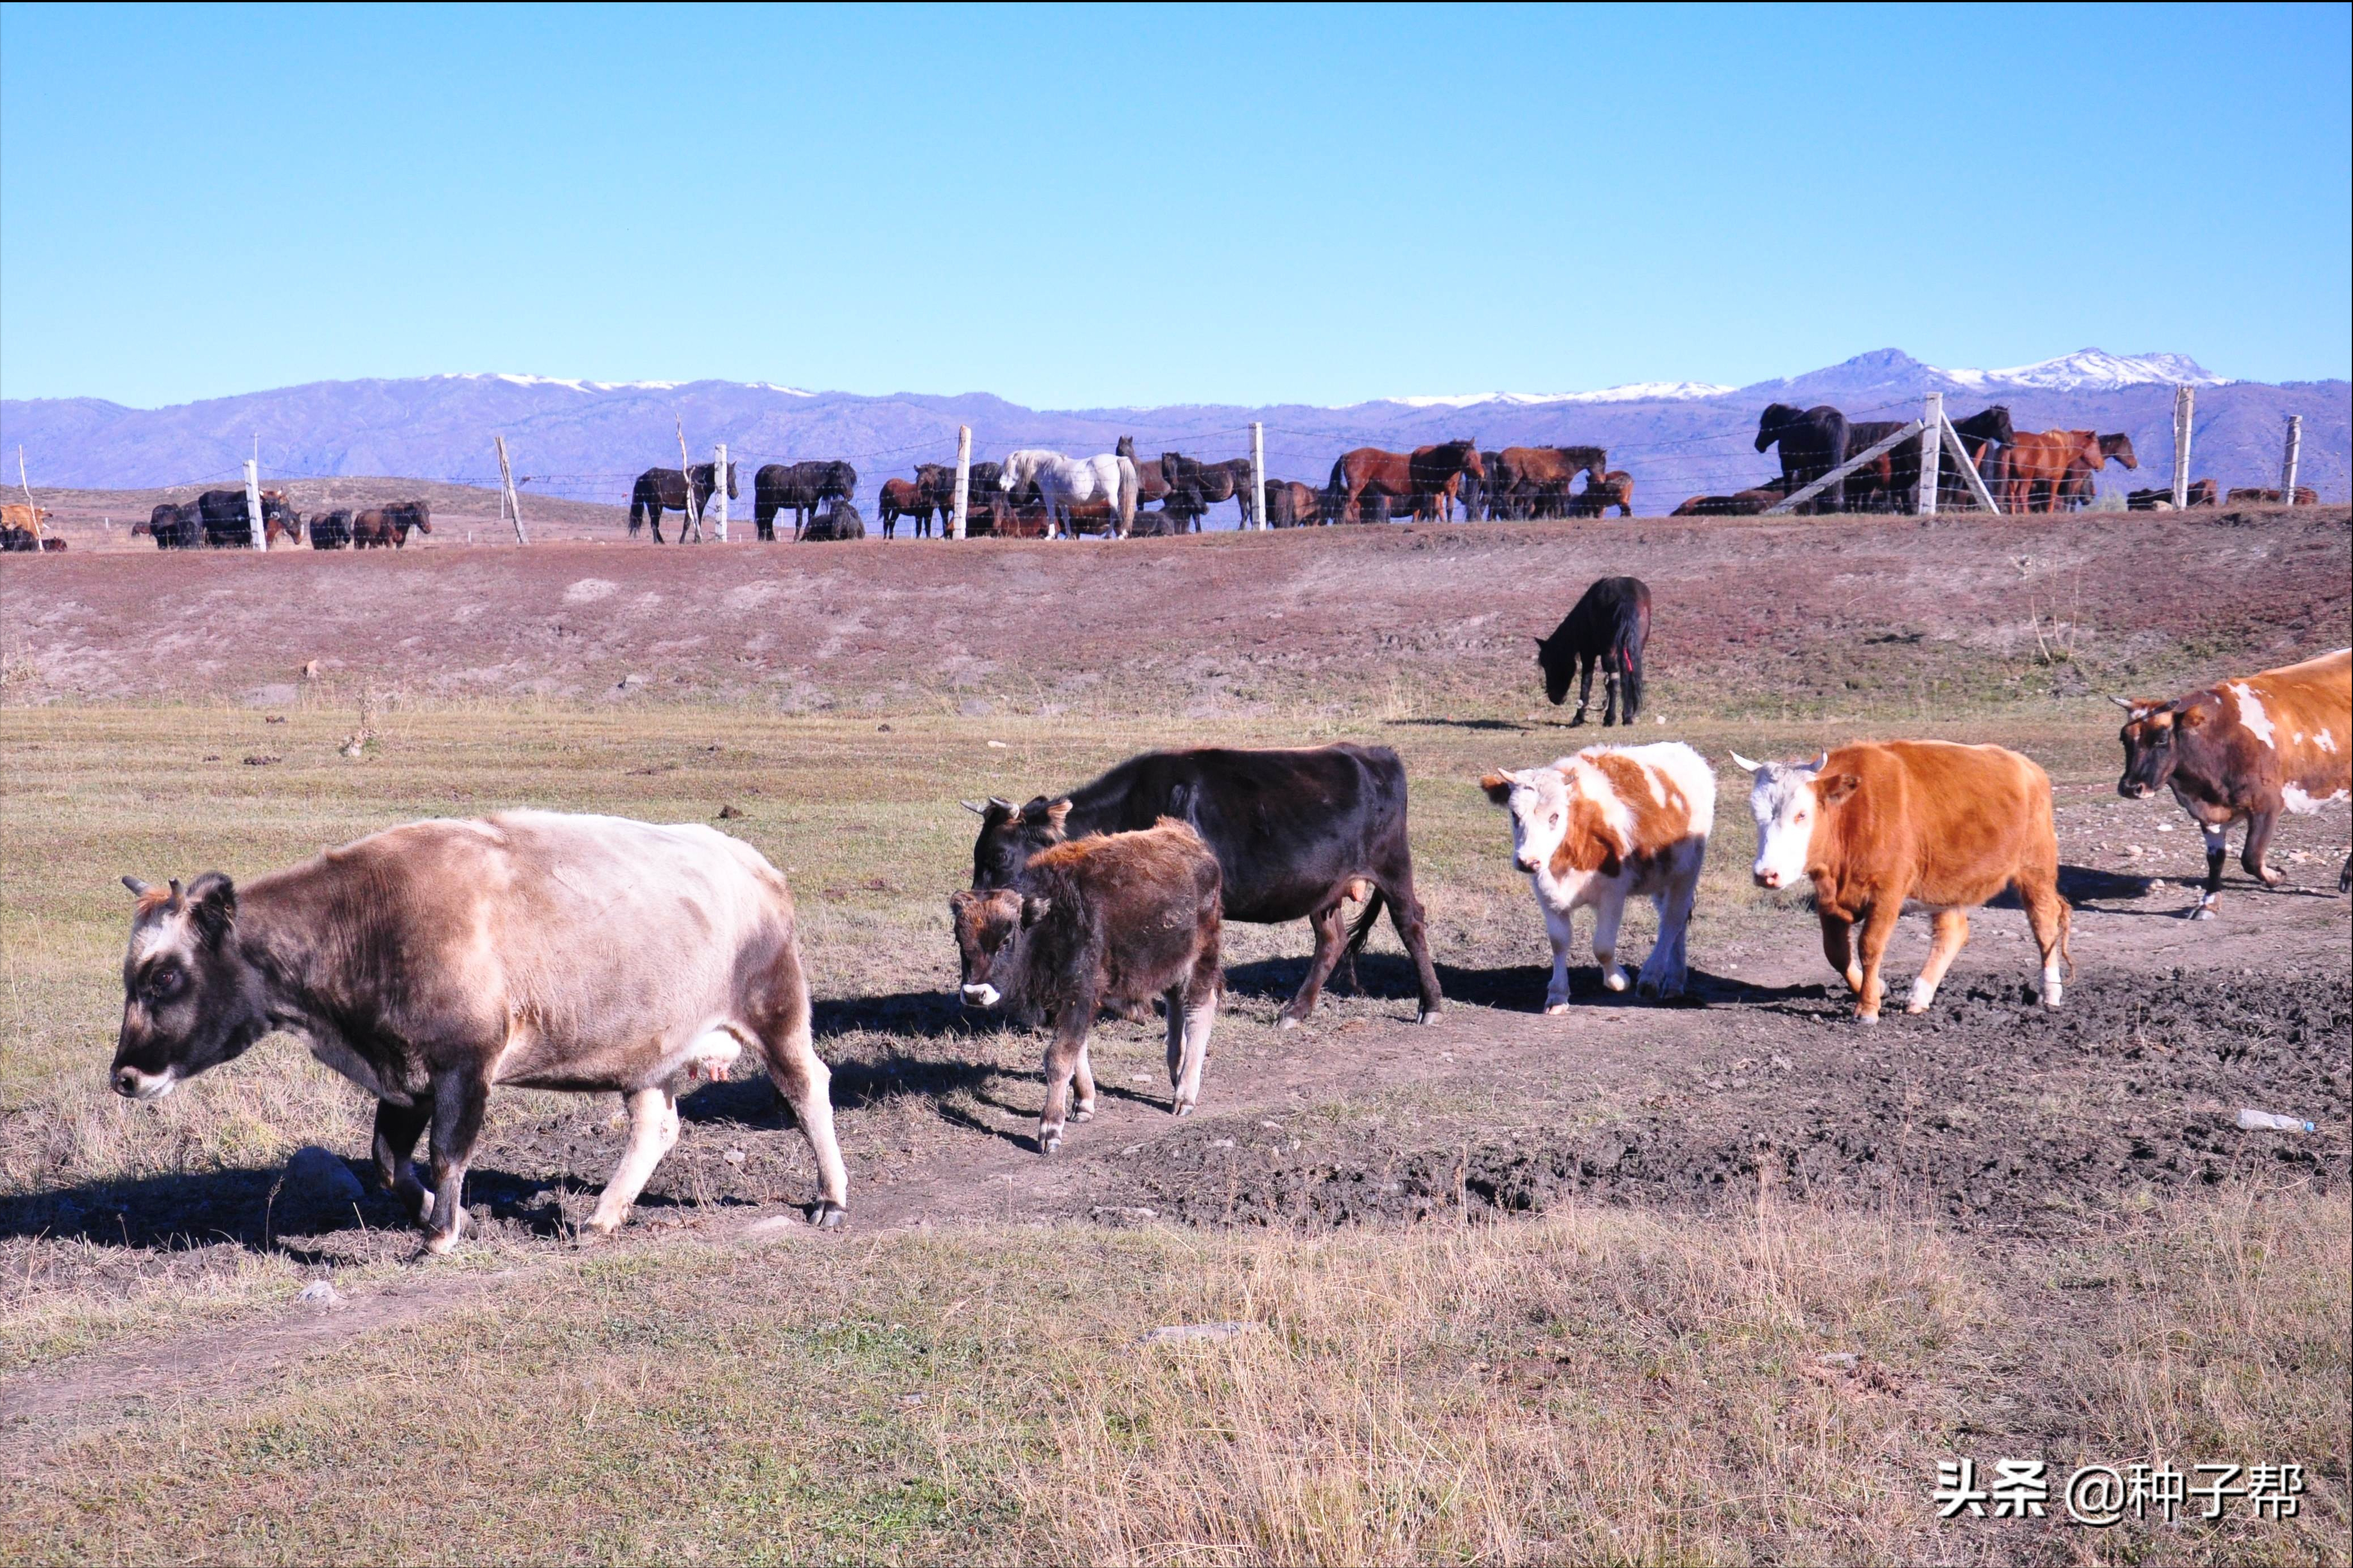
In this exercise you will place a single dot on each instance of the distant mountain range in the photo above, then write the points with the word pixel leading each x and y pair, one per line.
pixel 588 440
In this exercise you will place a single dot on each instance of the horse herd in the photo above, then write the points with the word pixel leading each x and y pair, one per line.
pixel 222 520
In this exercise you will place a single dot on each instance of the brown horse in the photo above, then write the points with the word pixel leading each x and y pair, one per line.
pixel 1150 484
pixel 1290 504
pixel 1420 477
pixel 2033 469
pixel 903 498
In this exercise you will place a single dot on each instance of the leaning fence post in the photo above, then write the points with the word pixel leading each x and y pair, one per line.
pixel 1932 446
pixel 2287 460
pixel 964 480
pixel 686 479
pixel 719 487
pixel 253 505
pixel 1258 474
pixel 508 500
pixel 2185 407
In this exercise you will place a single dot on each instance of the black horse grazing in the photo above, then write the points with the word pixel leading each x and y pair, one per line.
pixel 801 489
pixel 1295 833
pixel 1813 442
pixel 664 490
pixel 1609 626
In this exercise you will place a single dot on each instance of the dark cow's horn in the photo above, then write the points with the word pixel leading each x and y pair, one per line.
pixel 136 886
pixel 999 802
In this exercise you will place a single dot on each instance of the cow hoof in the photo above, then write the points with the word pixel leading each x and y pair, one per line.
pixel 1285 1021
pixel 1182 1108
pixel 829 1215
pixel 1867 1018
pixel 2202 912
pixel 1613 982
pixel 1429 1014
pixel 1556 1009
pixel 1083 1113
pixel 1049 1142
pixel 441 1243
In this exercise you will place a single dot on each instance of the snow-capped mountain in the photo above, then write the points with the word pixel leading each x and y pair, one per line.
pixel 1632 392
pixel 2089 370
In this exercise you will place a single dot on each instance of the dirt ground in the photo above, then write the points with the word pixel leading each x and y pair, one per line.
pixel 844 697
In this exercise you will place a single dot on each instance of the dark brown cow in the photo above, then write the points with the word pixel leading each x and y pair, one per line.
pixel 2245 751
pixel 1114 921
pixel 428 963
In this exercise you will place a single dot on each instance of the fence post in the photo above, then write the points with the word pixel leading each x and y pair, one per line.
pixel 2185 408
pixel 964 480
pixel 1258 476
pixel 509 502
pixel 719 487
pixel 253 505
pixel 32 512
pixel 2287 460
pixel 1932 446
pixel 686 477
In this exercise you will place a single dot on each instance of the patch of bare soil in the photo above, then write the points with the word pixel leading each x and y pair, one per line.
pixel 1772 615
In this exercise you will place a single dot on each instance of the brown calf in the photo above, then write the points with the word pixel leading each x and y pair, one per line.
pixel 1113 919
pixel 1875 825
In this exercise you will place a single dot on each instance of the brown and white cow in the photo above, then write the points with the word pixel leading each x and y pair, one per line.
pixel 2245 751
pixel 1110 920
pixel 1607 823
pixel 1877 826
pixel 430 961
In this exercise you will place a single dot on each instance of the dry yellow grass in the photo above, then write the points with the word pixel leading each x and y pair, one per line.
pixel 1594 1386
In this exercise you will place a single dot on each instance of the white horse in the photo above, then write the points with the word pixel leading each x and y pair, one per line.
pixel 1064 481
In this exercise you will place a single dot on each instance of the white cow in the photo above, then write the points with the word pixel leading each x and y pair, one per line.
pixel 1063 483
pixel 1604 825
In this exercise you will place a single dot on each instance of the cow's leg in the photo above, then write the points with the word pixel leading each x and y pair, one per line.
pixel 1952 932
pixel 2047 915
pixel 1174 1003
pixel 2218 850
pixel 2259 842
pixel 460 1100
pixel 1560 926
pixel 398 1128
pixel 1878 927
pixel 1406 915
pixel 1199 1001
pixel 653 1130
pixel 1062 1053
pixel 1609 910
pixel 1331 929
pixel 1667 969
pixel 1084 1080
pixel 1838 946
pixel 802 1078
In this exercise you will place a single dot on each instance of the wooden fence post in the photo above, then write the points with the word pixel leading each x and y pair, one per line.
pixel 253 504
pixel 2185 409
pixel 686 477
pixel 509 502
pixel 1966 466
pixel 719 487
pixel 2287 460
pixel 964 480
pixel 1932 445
pixel 1258 476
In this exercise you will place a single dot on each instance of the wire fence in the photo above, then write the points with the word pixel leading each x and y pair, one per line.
pixel 1650 476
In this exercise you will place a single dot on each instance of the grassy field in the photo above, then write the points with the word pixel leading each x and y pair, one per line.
pixel 1775 1381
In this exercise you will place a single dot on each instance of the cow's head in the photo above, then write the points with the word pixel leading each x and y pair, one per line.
pixel 1789 801
pixel 1010 834
pixel 191 999
pixel 989 931
pixel 1555 823
pixel 2152 737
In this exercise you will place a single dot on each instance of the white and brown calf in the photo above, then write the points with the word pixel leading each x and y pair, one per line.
pixel 1610 824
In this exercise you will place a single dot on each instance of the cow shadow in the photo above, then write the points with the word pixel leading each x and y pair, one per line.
pixel 928 1014
pixel 1510 988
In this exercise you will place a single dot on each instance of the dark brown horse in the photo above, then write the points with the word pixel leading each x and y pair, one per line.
pixel 1150 485
pixel 1210 482
pixel 664 490
pixel 1420 477
pixel 1290 504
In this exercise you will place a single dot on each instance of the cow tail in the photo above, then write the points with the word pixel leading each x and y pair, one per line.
pixel 1363 929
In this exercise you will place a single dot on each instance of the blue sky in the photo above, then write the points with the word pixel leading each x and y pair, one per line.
pixel 1092 207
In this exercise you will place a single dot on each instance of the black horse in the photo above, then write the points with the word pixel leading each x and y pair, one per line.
pixel 331 531
pixel 1609 626
pixel 229 523
pixel 174 527
pixel 1813 442
pixel 664 490
pixel 801 489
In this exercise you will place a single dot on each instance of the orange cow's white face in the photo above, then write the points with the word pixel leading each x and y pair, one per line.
pixel 1787 801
